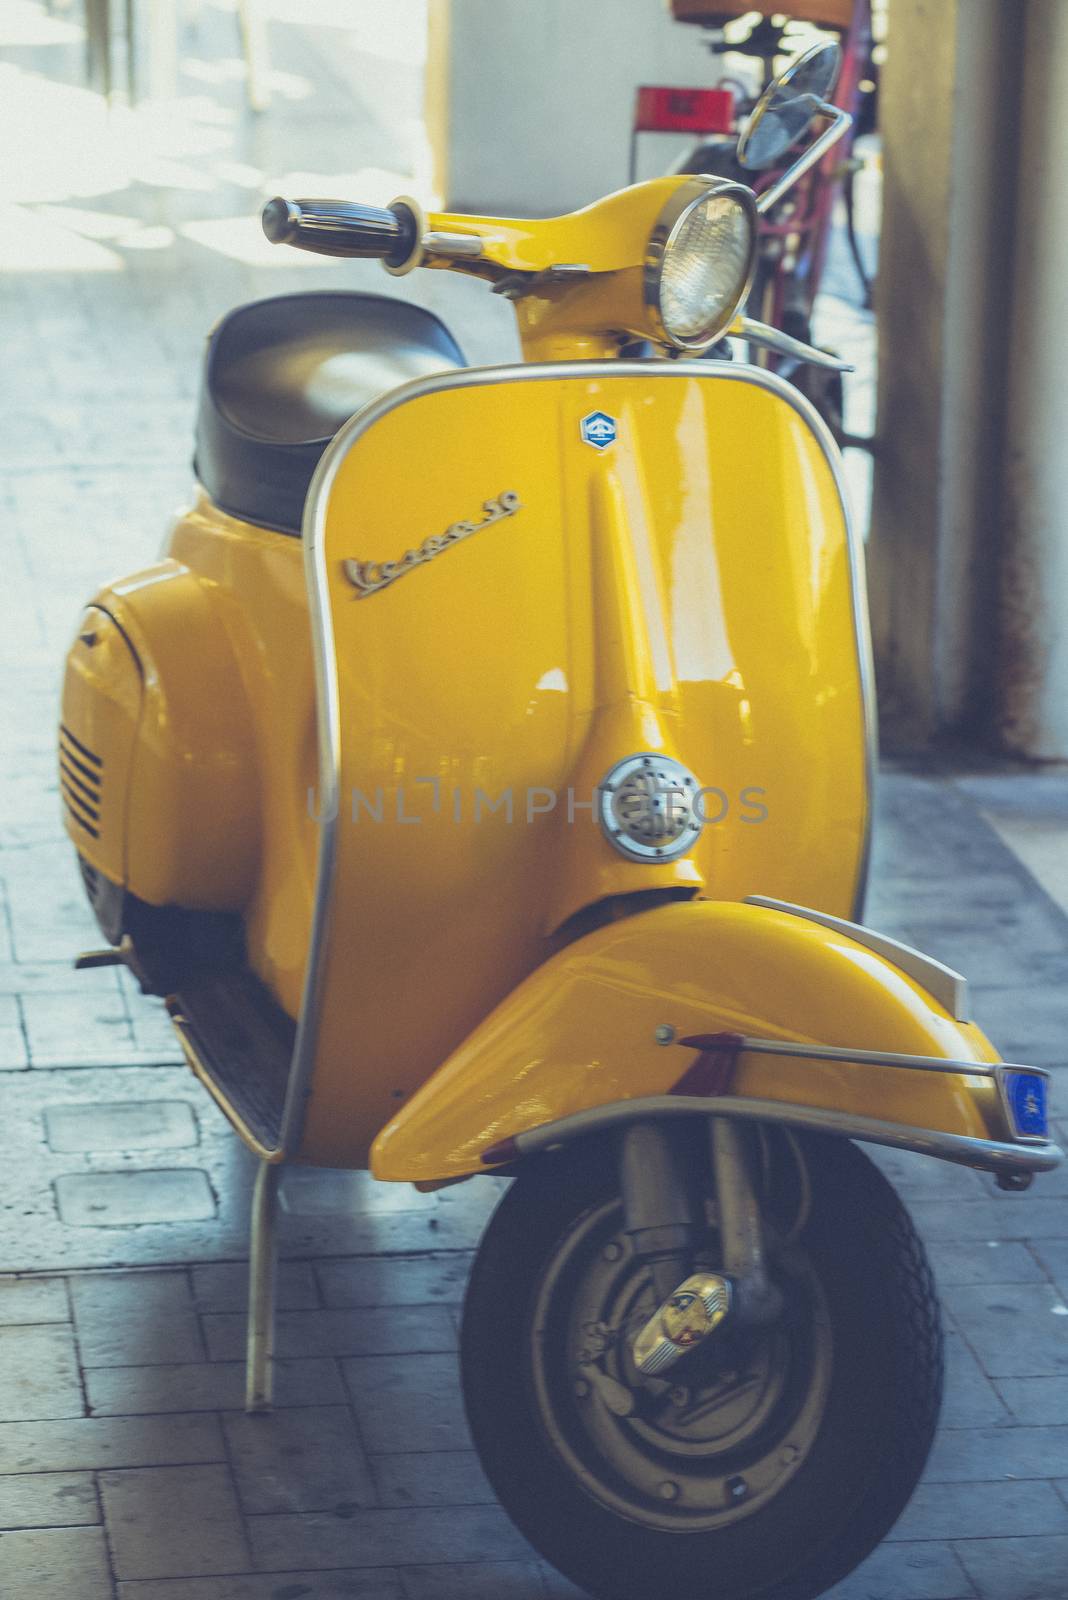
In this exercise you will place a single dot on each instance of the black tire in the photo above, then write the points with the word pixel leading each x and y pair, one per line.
pixel 881 1389
pixel 825 388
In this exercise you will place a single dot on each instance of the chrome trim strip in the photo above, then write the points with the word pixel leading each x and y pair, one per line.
pixel 880 1058
pixel 784 344
pixel 948 987
pixel 989 1154
pixel 452 244
pixel 328 714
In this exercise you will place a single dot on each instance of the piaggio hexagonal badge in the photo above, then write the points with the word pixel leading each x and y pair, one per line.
pixel 598 429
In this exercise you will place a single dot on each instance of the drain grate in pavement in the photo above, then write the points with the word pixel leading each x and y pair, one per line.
pixel 120 1125
pixel 124 1199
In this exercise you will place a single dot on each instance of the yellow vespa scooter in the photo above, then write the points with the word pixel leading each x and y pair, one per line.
pixel 484 776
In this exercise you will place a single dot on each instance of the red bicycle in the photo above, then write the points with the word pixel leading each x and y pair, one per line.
pixel 795 231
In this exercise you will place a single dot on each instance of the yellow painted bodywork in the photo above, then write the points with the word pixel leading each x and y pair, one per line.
pixel 581 1032
pixel 607 236
pixel 647 597
pixel 189 790
pixel 100 713
pixel 218 746
pixel 257 582
pixel 687 592
pixel 576 316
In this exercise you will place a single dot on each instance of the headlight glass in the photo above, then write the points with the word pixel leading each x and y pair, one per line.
pixel 700 273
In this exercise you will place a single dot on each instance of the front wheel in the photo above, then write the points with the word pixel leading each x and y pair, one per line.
pixel 771 1460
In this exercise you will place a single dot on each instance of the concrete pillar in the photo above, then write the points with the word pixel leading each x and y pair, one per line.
pixel 948 95
pixel 1032 656
pixel 530 101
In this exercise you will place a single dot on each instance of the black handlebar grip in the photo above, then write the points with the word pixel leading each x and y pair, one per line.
pixel 341 228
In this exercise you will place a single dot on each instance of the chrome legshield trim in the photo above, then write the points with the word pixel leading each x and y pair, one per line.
pixel 989 1154
pixel 329 726
pixel 949 988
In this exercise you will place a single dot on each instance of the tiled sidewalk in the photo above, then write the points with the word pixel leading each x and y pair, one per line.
pixel 124 1454
pixel 127 1470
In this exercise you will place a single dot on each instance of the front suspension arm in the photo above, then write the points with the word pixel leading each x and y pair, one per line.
pixel 659 1209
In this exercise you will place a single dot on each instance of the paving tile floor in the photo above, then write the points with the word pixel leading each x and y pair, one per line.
pixel 128 1470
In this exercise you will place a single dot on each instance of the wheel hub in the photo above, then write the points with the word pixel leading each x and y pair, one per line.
pixel 686 1452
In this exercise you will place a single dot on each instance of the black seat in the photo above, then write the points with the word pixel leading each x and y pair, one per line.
pixel 283 375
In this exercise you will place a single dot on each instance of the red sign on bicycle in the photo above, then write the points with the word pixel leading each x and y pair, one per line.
pixel 667 110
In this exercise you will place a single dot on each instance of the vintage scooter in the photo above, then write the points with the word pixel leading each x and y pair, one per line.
pixel 484 777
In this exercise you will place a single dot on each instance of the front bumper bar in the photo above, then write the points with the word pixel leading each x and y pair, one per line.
pixel 990 1155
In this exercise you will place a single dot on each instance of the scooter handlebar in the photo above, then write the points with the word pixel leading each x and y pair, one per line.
pixel 341 228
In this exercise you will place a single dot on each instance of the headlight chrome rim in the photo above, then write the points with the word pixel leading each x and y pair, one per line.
pixel 669 224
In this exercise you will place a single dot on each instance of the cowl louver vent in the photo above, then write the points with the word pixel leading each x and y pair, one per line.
pixel 81 778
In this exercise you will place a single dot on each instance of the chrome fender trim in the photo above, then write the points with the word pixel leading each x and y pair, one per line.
pixel 987 1154
pixel 942 983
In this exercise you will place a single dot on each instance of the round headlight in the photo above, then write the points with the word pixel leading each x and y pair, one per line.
pixel 699 261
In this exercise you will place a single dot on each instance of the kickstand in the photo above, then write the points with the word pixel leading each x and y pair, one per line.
pixel 263 1260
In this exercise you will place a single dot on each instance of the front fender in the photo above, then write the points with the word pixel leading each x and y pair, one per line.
pixel 585 1030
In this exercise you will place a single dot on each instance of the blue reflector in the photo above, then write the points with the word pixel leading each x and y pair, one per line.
pixel 1026 1094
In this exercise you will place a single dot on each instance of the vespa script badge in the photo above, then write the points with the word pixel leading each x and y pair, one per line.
pixel 367 577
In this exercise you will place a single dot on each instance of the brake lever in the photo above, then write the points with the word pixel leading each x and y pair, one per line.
pixel 783 344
